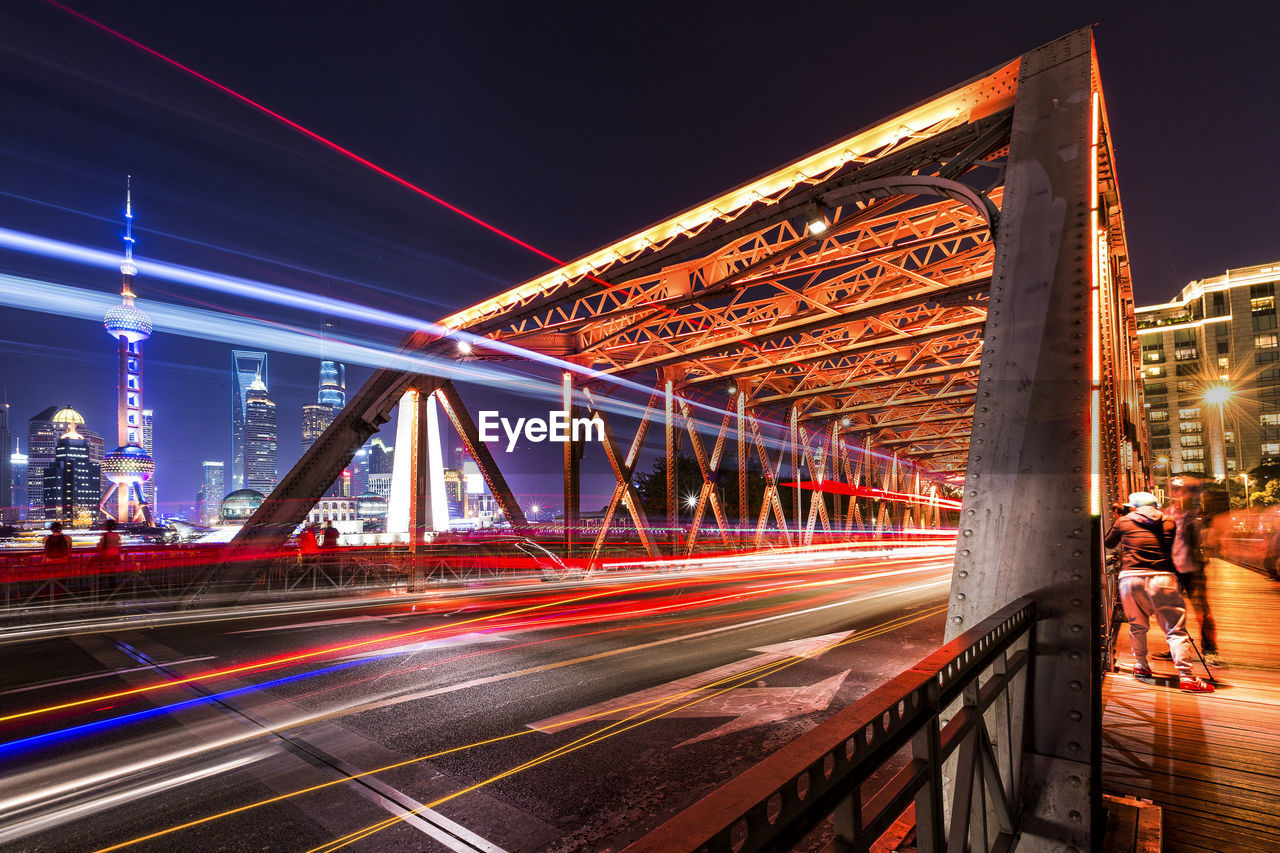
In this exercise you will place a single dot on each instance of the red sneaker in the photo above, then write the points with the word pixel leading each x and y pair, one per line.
pixel 1195 685
pixel 1140 671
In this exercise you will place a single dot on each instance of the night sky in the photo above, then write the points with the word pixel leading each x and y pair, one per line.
pixel 567 124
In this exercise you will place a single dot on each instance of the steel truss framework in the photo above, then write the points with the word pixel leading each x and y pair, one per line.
pixel 939 301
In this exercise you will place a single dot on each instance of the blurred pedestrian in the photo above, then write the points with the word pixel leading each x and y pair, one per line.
pixel 57 545
pixel 329 536
pixel 307 542
pixel 109 543
pixel 1189 559
pixel 1149 587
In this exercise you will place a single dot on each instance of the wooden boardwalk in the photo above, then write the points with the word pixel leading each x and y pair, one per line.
pixel 1212 762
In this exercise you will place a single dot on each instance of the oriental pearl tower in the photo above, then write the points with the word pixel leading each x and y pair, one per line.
pixel 128 466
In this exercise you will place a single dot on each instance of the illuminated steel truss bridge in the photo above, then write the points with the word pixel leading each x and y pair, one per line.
pixel 936 305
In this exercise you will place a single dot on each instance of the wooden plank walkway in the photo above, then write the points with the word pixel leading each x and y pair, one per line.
pixel 1211 761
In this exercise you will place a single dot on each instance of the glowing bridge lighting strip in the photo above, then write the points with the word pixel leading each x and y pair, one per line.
pixel 919 122
pixel 916 123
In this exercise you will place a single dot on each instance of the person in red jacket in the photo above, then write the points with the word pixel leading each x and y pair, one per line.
pixel 1149 587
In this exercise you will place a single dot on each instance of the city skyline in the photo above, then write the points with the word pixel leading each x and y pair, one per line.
pixel 231 192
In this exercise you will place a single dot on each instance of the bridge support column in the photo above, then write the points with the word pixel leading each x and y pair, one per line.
pixel 672 448
pixel 1024 527
pixel 741 399
pixel 572 466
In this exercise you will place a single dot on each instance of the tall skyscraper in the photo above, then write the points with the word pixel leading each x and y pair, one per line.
pixel 129 465
pixel 315 420
pixel 43 432
pixel 72 482
pixel 212 491
pixel 148 432
pixel 8 506
pixel 18 481
pixel 246 366
pixel 333 385
pixel 331 397
pixel 259 438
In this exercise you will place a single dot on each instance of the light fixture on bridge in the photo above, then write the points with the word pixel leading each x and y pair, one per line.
pixel 691 501
pixel 464 347
pixel 815 218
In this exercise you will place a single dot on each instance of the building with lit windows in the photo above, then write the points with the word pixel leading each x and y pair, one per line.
pixel 148 437
pixel 43 432
pixel 315 420
pixel 18 482
pixel 333 385
pixel 246 367
pixel 8 506
pixel 72 483
pixel 209 497
pixel 1211 374
pixel 260 438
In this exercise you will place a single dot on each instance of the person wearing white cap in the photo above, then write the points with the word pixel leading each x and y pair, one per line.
pixel 1149 587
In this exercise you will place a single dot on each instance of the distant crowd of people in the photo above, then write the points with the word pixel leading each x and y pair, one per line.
pixel 1162 562
pixel 57 545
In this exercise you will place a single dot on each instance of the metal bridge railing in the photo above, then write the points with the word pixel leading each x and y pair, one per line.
pixel 962 704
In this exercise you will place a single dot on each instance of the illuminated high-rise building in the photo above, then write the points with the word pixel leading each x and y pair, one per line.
pixel 8 506
pixel 259 438
pixel 331 397
pixel 148 432
pixel 129 466
pixel 315 420
pixel 18 482
pixel 246 366
pixel 333 385
pixel 43 432
pixel 71 482
pixel 212 491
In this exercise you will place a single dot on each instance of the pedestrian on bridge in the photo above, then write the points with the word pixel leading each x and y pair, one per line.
pixel 109 543
pixel 329 536
pixel 1189 560
pixel 1149 586
pixel 57 545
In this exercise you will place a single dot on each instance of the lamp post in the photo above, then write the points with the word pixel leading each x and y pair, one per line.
pixel 1245 476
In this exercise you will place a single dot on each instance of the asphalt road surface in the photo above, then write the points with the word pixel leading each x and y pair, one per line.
pixel 526 717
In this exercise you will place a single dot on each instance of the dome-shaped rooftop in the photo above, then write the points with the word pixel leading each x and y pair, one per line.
pixel 128 464
pixel 371 505
pixel 129 321
pixel 67 416
pixel 241 504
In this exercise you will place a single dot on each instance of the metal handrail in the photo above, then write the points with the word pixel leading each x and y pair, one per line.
pixel 779 801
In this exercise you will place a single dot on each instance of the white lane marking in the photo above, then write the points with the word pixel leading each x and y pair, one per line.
pixel 83 809
pixel 126 769
pixel 473 638
pixel 493 679
pixel 755 706
pixel 104 674
pixel 319 623
pixel 449 833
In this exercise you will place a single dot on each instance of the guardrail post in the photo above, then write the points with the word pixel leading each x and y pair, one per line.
pixel 926 746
